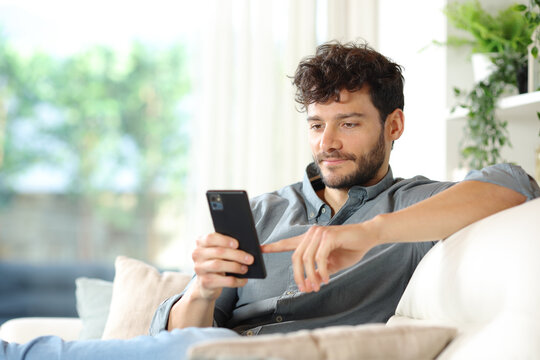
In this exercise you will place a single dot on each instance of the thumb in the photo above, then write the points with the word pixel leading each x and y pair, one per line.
pixel 282 245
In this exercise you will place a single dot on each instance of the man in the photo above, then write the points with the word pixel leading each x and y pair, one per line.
pixel 356 233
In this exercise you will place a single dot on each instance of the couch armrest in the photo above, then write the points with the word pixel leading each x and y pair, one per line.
pixel 21 330
pixel 483 280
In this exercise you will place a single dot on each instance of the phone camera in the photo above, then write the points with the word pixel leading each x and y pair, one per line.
pixel 215 202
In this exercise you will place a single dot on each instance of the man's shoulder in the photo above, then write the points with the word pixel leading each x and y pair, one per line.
pixel 292 192
pixel 406 192
pixel 288 198
pixel 415 181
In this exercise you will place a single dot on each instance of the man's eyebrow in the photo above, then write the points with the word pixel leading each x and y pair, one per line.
pixel 339 116
pixel 348 115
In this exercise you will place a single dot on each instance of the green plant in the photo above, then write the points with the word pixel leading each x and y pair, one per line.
pixel 505 38
pixel 485 134
pixel 98 117
pixel 23 82
pixel 508 30
pixel 94 115
pixel 531 15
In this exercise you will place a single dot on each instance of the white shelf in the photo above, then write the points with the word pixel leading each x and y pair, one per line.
pixel 523 125
pixel 512 108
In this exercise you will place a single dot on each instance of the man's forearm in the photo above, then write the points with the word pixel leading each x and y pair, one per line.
pixel 191 311
pixel 445 213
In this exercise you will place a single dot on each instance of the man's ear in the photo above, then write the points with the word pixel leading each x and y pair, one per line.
pixel 394 125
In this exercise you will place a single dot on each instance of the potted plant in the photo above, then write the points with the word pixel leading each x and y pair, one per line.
pixel 505 38
pixel 508 31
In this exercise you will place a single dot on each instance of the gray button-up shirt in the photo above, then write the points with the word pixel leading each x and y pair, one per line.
pixel 364 293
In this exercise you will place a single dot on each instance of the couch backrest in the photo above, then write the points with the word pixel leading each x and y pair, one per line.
pixel 45 289
pixel 484 281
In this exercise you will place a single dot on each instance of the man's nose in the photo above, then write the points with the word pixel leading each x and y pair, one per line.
pixel 330 140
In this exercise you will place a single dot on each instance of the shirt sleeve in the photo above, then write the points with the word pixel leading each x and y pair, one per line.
pixel 507 175
pixel 161 316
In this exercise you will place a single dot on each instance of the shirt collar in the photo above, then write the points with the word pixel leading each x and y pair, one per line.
pixel 312 183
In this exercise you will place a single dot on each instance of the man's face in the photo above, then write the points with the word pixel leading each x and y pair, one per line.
pixel 347 140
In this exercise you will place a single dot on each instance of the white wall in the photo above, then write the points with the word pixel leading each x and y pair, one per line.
pixel 405 28
pixel 400 29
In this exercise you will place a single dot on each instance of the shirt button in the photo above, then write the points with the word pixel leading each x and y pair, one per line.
pixel 249 333
pixel 289 293
pixel 311 214
pixel 323 210
pixel 279 318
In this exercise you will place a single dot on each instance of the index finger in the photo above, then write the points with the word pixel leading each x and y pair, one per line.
pixel 282 245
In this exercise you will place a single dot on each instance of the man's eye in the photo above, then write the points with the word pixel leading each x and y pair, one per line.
pixel 315 126
pixel 349 125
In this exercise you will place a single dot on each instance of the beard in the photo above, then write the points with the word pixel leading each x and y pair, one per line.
pixel 367 166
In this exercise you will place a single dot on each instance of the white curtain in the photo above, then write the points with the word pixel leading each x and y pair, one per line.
pixel 348 20
pixel 246 131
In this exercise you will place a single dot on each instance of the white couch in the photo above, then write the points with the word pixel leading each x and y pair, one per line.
pixel 22 330
pixel 482 281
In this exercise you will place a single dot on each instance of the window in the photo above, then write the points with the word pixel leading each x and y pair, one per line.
pixel 116 117
pixel 94 115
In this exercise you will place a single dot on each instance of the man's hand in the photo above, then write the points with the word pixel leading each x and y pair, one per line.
pixel 325 250
pixel 214 256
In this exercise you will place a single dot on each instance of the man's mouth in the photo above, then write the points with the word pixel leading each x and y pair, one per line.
pixel 333 161
pixel 336 159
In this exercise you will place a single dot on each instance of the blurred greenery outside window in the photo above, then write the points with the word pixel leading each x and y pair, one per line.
pixel 106 132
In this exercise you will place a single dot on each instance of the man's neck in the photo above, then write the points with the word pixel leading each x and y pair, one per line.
pixel 335 198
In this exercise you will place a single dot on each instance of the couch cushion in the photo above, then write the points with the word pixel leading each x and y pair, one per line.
pixel 371 341
pixel 483 280
pixel 93 303
pixel 138 289
pixel 22 330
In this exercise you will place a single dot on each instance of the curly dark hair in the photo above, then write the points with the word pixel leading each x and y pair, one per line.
pixel 350 66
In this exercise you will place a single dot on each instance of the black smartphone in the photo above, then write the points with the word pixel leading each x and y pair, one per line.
pixel 231 215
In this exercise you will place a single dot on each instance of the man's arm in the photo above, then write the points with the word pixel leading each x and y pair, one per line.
pixel 447 212
pixel 323 251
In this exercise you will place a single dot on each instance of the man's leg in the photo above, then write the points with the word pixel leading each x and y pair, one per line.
pixel 166 345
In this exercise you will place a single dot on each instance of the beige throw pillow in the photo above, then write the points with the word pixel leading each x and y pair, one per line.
pixel 371 341
pixel 138 289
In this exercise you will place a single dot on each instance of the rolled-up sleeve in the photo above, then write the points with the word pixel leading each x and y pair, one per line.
pixel 507 175
pixel 161 316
